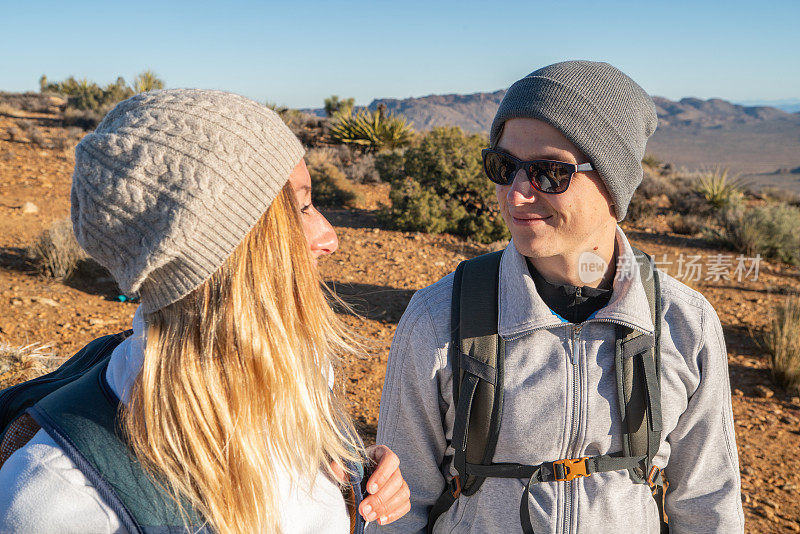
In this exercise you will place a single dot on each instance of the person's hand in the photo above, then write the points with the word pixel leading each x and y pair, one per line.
pixel 389 496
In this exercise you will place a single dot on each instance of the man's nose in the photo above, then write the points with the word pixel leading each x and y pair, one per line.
pixel 521 189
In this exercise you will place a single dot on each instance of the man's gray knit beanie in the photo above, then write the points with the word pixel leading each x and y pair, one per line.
pixel 170 183
pixel 598 108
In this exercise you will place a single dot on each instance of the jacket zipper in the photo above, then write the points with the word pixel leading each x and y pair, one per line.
pixel 576 335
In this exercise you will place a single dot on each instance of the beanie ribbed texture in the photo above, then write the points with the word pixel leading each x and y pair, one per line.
pixel 172 181
pixel 603 112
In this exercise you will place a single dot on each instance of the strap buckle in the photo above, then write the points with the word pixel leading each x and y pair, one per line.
pixel 572 468
pixel 455 486
pixel 655 471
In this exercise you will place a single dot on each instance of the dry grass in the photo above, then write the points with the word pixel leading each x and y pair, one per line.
pixel 783 344
pixel 10 111
pixel 57 252
pixel 20 363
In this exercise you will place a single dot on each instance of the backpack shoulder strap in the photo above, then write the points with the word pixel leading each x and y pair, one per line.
pixel 638 375
pixel 82 418
pixel 477 354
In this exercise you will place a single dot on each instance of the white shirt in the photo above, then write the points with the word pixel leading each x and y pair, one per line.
pixel 42 491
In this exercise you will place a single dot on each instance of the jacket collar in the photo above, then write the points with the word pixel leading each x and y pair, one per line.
pixel 523 310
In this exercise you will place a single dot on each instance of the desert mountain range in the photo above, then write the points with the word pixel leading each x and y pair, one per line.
pixel 760 142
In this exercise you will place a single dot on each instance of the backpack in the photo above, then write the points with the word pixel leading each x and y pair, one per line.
pixel 76 407
pixel 478 356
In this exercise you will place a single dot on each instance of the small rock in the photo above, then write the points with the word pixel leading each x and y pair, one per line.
pixel 796 401
pixel 794 527
pixel 16 302
pixel 738 392
pixel 764 391
pixel 94 321
pixel 30 207
pixel 46 301
pixel 375 230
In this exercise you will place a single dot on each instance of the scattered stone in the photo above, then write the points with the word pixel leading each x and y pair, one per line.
pixel 30 207
pixel 46 301
pixel 16 302
pixel 94 321
pixel 738 392
pixel 796 401
pixel 764 391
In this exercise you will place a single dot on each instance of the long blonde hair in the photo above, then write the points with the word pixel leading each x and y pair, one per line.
pixel 234 385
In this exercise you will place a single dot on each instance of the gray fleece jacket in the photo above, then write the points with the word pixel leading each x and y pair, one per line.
pixel 561 402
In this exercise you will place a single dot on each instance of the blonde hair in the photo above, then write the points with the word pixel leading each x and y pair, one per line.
pixel 234 385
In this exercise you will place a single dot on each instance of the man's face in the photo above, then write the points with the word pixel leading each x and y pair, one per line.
pixel 545 225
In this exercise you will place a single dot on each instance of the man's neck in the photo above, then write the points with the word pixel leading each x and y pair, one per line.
pixel 564 268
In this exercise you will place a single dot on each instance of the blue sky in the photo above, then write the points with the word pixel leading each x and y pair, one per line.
pixel 298 52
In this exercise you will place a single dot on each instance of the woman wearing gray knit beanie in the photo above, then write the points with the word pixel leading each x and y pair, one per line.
pixel 216 412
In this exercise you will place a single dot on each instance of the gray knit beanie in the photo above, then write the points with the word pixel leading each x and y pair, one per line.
pixel 598 108
pixel 170 183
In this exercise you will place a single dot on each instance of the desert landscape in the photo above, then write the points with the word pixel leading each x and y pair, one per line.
pixel 377 269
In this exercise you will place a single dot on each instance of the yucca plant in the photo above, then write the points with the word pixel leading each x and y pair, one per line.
pixel 372 130
pixel 720 188
pixel 783 344
pixel 147 81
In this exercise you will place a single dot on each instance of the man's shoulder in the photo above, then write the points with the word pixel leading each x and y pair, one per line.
pixel 677 294
pixel 434 302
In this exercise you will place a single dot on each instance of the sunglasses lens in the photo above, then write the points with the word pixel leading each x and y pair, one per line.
pixel 550 176
pixel 499 168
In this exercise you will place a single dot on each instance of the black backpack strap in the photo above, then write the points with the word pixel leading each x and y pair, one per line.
pixel 81 417
pixel 476 353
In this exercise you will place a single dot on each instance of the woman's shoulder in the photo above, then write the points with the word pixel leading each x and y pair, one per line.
pixel 45 492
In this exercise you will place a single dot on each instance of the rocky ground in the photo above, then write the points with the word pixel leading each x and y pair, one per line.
pixel 377 271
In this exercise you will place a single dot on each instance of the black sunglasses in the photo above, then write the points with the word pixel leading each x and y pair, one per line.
pixel 547 176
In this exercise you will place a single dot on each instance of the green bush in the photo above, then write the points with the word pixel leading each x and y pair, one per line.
pixel 442 188
pixel 89 96
pixel 147 81
pixel 331 187
pixel 371 130
pixel 333 105
pixel 389 165
pixel 770 230
pixel 782 342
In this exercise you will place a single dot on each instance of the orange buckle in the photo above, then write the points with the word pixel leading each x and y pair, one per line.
pixel 456 492
pixel 651 478
pixel 572 468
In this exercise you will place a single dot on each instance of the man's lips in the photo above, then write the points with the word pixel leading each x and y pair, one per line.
pixel 524 218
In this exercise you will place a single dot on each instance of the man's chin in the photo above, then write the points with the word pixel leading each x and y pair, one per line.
pixel 533 248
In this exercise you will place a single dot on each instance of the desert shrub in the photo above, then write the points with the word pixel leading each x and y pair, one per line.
pixel 371 130
pixel 687 224
pixel 36 137
pixel 654 185
pixel 782 342
pixel 720 188
pixel 779 194
pixel 334 105
pixel 389 165
pixel 62 141
pixel 57 254
pixel 443 189
pixel 14 133
pixel 362 170
pixel 85 119
pixel 331 187
pixel 651 161
pixel 24 362
pixel 770 230
pixel 6 109
pixel 147 81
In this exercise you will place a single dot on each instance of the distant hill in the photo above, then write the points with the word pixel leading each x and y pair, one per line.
pixel 760 142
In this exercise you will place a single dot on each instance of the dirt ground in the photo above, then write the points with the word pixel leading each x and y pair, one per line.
pixel 377 271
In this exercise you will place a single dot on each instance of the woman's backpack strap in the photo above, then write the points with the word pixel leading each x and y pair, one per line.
pixel 82 418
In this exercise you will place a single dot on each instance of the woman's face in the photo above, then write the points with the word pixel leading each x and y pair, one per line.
pixel 320 235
